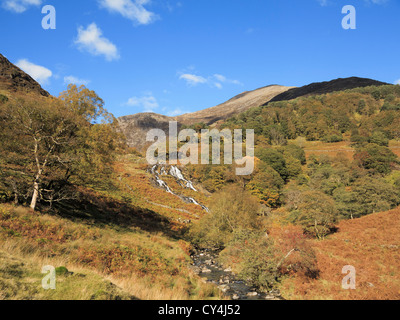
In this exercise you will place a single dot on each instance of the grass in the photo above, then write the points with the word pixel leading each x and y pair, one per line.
pixel 344 147
pixel 21 279
pixel 372 245
pixel 115 236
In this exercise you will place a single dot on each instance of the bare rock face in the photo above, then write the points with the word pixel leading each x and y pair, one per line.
pixel 13 79
pixel 135 127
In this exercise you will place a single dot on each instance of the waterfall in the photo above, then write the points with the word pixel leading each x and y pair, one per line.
pixel 175 172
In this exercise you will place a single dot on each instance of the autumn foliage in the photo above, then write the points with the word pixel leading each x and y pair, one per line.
pixel 372 245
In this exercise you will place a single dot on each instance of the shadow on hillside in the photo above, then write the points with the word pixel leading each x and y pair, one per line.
pixel 101 211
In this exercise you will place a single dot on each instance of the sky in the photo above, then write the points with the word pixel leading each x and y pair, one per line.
pixel 178 56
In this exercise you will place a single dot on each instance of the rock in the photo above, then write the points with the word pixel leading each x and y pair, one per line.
pixel 196 270
pixel 206 270
pixel 252 294
pixel 275 292
pixel 235 297
pixel 228 270
pixel 224 288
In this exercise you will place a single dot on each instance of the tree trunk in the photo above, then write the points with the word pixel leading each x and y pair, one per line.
pixel 35 195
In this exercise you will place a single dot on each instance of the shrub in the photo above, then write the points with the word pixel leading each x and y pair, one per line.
pixel 232 210
pixel 376 158
pixel 316 212
pixel 263 260
pixel 3 99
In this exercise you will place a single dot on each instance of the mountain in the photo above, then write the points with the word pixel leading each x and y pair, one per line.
pixel 13 79
pixel 136 126
pixel 326 87
pixel 236 105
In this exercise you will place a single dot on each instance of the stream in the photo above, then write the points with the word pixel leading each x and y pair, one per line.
pixel 205 261
pixel 206 266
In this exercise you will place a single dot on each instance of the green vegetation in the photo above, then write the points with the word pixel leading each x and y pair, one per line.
pixel 56 142
pixel 64 158
pixel 310 194
pixel 95 214
pixel 232 210
pixel 234 226
pixel 3 99
pixel 21 279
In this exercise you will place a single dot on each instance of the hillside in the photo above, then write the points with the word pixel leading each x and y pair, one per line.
pixel 136 126
pixel 124 242
pixel 319 88
pixel 13 79
pixel 325 165
pixel 371 244
pixel 236 105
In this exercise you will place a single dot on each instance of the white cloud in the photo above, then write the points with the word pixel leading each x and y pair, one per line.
pixel 397 82
pixel 377 1
pixel 176 112
pixel 75 80
pixel 217 80
pixel 148 103
pixel 222 79
pixel 192 79
pixel 325 3
pixel 91 40
pixel 20 6
pixel 218 85
pixel 39 73
pixel 131 9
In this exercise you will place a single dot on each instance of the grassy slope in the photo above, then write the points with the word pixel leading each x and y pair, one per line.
pixel 20 279
pixel 333 149
pixel 372 245
pixel 113 236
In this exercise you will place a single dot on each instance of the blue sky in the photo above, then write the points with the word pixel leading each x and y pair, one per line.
pixel 178 56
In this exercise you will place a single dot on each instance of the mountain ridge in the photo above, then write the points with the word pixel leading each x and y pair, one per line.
pixel 14 79
pixel 317 88
pixel 136 126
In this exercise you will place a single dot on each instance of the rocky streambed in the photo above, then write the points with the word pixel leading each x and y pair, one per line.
pixel 206 266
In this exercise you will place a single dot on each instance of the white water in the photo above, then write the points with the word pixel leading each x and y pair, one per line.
pixel 178 175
